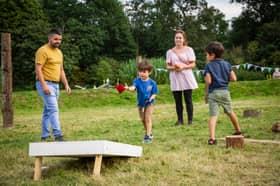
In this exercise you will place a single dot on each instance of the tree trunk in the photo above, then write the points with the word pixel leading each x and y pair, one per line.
pixel 7 81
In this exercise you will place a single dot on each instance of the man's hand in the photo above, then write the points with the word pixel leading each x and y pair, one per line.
pixel 46 90
pixel 68 89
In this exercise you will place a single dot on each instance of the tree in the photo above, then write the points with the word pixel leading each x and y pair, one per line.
pixel 258 23
pixel 154 23
pixel 28 27
pixel 95 29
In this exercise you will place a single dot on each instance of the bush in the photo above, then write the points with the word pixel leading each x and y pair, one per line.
pixel 128 71
pixel 243 75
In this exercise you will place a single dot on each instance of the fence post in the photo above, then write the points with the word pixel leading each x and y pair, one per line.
pixel 7 81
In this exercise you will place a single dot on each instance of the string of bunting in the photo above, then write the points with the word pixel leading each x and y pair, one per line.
pixel 246 66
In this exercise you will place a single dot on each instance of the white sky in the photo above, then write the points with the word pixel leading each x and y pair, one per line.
pixel 229 9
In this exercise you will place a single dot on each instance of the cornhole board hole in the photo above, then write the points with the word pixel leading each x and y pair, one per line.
pixel 97 149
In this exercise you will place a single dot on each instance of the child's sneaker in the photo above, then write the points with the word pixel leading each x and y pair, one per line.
pixel 212 142
pixel 147 139
pixel 238 133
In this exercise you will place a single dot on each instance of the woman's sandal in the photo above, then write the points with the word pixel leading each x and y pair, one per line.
pixel 212 142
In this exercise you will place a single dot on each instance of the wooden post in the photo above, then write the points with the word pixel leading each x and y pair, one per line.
pixel 38 168
pixel 138 60
pixel 235 141
pixel 97 166
pixel 7 81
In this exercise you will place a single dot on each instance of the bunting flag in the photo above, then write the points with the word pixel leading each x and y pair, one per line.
pixel 236 67
pixel 161 69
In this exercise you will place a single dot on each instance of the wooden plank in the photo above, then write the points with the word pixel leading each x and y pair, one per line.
pixel 97 166
pixel 84 149
pixel 37 169
pixel 257 140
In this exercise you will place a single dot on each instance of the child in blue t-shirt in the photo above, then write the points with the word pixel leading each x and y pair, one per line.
pixel 218 73
pixel 146 89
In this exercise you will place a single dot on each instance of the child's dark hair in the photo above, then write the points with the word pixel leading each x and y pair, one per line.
pixel 55 31
pixel 216 48
pixel 145 65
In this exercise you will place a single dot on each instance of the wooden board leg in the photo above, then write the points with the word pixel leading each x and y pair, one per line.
pixel 97 165
pixel 37 169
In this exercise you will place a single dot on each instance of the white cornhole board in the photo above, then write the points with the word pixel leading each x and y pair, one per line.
pixel 97 149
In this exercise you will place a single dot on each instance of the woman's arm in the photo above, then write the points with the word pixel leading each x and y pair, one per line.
pixel 169 66
pixel 189 65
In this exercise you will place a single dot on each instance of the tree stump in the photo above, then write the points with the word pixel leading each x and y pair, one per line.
pixel 276 127
pixel 251 113
pixel 236 141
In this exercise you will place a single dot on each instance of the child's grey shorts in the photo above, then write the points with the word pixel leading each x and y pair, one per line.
pixel 219 98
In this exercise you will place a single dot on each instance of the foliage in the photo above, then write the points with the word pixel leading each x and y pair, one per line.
pixel 154 22
pixel 103 71
pixel 128 71
pixel 244 75
pixel 257 30
pixel 234 56
pixel 28 27
pixel 96 28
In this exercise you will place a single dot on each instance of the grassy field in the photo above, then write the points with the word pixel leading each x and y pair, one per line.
pixel 177 156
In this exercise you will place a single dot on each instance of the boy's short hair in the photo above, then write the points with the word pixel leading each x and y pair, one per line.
pixel 54 31
pixel 216 48
pixel 145 65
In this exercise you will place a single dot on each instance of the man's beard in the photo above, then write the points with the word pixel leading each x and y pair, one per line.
pixel 55 45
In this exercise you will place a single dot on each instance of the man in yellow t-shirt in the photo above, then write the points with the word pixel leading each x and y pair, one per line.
pixel 49 72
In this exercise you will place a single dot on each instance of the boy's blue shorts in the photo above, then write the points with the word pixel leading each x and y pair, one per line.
pixel 219 98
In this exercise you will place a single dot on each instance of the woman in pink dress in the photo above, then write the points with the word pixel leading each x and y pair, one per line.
pixel 179 61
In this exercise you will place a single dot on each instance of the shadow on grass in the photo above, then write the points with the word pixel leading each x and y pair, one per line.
pixel 85 165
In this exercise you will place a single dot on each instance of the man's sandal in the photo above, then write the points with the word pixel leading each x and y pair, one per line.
pixel 212 142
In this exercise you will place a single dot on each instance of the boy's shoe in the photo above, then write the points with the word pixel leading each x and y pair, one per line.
pixel 212 142
pixel 59 138
pixel 190 122
pixel 148 139
pixel 238 133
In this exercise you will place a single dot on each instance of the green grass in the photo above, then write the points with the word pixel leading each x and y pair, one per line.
pixel 177 156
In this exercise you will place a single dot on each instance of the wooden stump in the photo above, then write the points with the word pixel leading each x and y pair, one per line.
pixel 251 113
pixel 276 127
pixel 236 141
